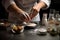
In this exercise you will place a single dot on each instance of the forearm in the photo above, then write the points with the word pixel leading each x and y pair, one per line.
pixel 14 8
pixel 18 12
pixel 37 8
pixel 41 5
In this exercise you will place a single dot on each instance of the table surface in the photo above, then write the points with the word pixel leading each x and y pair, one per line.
pixel 26 35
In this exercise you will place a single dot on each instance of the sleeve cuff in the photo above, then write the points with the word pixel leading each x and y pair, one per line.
pixel 47 2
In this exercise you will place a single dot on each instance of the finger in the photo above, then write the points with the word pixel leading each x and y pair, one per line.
pixel 33 13
pixel 28 17
pixel 22 17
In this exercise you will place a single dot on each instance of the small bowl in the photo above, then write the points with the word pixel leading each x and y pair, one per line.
pixel 53 32
pixel 17 29
pixel 42 31
pixel 4 26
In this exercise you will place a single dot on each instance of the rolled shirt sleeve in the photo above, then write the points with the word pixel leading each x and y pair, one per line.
pixel 47 2
pixel 7 3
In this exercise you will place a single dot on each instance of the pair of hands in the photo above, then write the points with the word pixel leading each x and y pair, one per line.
pixel 28 17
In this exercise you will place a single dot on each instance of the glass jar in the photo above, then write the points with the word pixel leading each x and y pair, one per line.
pixel 44 20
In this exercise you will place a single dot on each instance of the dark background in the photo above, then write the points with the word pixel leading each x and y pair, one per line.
pixel 55 4
pixel 3 13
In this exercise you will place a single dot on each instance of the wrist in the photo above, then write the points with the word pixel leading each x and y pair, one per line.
pixel 42 4
pixel 36 8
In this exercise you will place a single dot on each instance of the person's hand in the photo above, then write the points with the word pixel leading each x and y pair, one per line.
pixel 28 18
pixel 23 17
pixel 35 10
pixel 33 13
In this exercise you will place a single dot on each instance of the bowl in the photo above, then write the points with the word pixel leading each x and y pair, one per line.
pixel 4 26
pixel 42 31
pixel 31 25
pixel 53 32
pixel 17 28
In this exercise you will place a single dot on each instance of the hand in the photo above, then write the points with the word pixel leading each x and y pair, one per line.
pixel 35 10
pixel 23 17
pixel 33 13
pixel 28 18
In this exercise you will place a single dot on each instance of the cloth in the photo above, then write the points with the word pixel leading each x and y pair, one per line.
pixel 25 5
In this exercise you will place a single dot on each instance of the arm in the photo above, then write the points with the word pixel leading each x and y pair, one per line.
pixel 38 6
pixel 11 6
pixel 14 8
pixel 18 12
